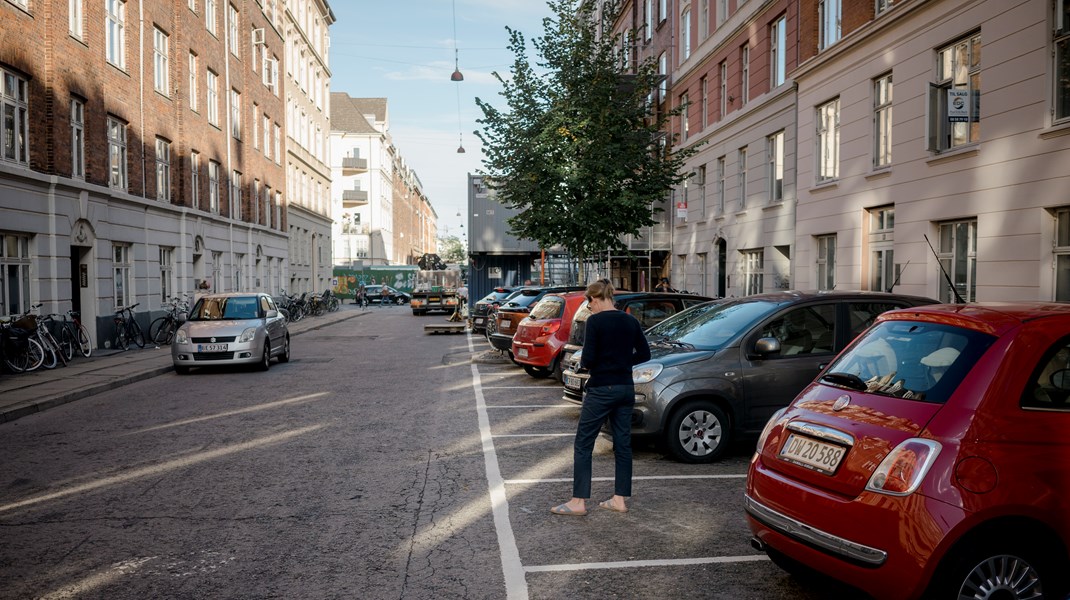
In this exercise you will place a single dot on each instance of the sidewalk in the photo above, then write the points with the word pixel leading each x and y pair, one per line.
pixel 27 393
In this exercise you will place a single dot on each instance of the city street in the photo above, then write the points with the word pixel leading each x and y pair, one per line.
pixel 381 462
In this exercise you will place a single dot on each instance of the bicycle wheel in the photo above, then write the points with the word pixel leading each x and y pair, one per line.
pixel 67 343
pixel 136 334
pixel 162 330
pixel 85 346
pixel 121 341
pixel 49 353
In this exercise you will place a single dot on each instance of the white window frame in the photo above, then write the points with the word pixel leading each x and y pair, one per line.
pixel 882 269
pixel 724 89
pixel 685 115
pixel 77 138
pixel 741 168
pixel 826 261
pixel 115 32
pixel 14 132
pixel 828 141
pixel 194 176
pixel 213 186
pixel 744 75
pixel 16 263
pixel 753 271
pixel 1061 56
pixel 704 20
pixel 256 201
pixel 829 26
pixel 161 79
pixel 278 143
pixel 236 195
pixel 722 11
pixel 722 174
pixel 648 19
pixel 953 74
pixel 122 275
pixel 235 114
pixel 75 19
pixel 117 174
pixel 960 263
pixel 212 87
pixel 778 52
pixel 217 272
pixel 775 145
pixel 210 16
pixel 163 170
pixel 1061 255
pixel 685 33
pixel 232 29
pixel 705 85
pixel 882 121
pixel 167 273
pixel 663 10
pixel 193 74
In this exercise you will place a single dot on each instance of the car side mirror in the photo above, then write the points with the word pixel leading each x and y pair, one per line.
pixel 271 314
pixel 764 347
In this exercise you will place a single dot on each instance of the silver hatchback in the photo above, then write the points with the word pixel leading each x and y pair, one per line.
pixel 231 329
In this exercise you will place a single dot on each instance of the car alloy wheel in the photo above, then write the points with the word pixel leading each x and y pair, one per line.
pixel 265 360
pixel 698 432
pixel 1002 576
pixel 285 356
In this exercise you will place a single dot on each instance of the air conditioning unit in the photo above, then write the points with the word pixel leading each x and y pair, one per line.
pixel 258 37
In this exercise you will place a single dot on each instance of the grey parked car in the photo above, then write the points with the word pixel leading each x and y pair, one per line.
pixel 721 369
pixel 231 329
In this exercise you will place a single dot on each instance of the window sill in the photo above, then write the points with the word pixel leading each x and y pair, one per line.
pixel 773 205
pixel 879 173
pixel 952 155
pixel 826 185
pixel 741 213
pixel 1056 130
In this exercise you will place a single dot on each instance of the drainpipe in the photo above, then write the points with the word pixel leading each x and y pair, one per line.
pixel 141 90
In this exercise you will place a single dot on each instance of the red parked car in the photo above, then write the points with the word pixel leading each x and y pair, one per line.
pixel 931 458
pixel 539 338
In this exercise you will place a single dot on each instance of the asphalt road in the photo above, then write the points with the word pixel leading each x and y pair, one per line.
pixel 380 463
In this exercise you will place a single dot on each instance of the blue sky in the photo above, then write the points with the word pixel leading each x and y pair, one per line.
pixel 403 50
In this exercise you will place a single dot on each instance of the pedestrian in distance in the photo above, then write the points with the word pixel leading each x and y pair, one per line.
pixel 384 295
pixel 362 296
pixel 663 286
pixel 613 344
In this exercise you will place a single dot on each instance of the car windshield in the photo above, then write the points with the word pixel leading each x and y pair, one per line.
pixel 712 325
pixel 550 307
pixel 909 359
pixel 227 307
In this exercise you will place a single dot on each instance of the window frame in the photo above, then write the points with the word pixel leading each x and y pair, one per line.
pixel 741 172
pixel 1061 67
pixel 123 291
pixel 212 98
pixel 829 23
pixel 744 74
pixel 881 231
pixel 827 141
pixel 882 121
pixel 775 150
pixel 167 273
pixel 163 169
pixel 193 74
pixel 161 77
pixel 14 99
pixel 194 170
pixel 685 33
pixel 753 271
pixel 115 33
pixel 1061 255
pixel 117 154
pixel 722 170
pixel 825 261
pixel 213 186
pixel 76 19
pixel 778 52
pixel 77 109
pixel 16 266
pixel 941 133
pixel 955 265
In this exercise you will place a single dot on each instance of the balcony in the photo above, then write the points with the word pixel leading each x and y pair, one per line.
pixel 354 165
pixel 354 198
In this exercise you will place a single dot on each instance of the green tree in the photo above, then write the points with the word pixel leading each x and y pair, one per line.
pixel 581 151
pixel 452 250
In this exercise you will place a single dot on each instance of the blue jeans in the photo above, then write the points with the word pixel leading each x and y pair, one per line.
pixel 613 402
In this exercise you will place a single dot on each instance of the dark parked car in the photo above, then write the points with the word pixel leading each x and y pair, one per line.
pixel 486 306
pixel 930 459
pixel 721 369
pixel 515 308
pixel 650 308
pixel 394 296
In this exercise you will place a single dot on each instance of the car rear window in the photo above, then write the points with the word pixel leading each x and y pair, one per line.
pixel 525 299
pixel 912 359
pixel 550 307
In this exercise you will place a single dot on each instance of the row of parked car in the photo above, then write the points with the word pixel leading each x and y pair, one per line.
pixel 907 448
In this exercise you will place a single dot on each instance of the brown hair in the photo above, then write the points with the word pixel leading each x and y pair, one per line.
pixel 600 289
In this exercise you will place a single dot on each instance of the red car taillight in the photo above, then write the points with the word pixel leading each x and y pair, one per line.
pixel 901 472
pixel 551 328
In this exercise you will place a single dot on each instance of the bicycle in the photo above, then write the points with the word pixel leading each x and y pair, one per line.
pixel 53 353
pixel 126 328
pixel 20 351
pixel 73 334
pixel 162 330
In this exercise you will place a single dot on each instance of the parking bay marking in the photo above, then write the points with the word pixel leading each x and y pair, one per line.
pixel 634 478
pixel 646 563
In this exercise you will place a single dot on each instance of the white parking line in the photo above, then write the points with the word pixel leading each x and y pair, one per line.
pixel 645 563
pixel 533 406
pixel 634 478
pixel 505 435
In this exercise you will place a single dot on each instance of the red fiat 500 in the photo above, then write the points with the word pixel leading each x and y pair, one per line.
pixel 540 337
pixel 932 457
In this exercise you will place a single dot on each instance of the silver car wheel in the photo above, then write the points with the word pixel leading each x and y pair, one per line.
pixel 700 433
pixel 1001 576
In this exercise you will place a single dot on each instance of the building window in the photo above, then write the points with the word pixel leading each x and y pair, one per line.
pixel 163 170
pixel 744 74
pixel 958 257
pixel 778 45
pixel 14 102
pixel 775 144
pixel 828 13
pixel 239 262
pixel 213 186
pixel 194 179
pixel 663 71
pixel 722 11
pixel 267 137
pixel 648 15
pixel 721 174
pixel 235 114
pixel 217 271
pixel 685 114
pixel 705 101
pixel 882 121
pixel 882 6
pixel 742 164
pixel 235 195
pixel 160 79
pixel 256 126
pixel 193 81
pixel 724 89
pixel 1062 59
pixel 213 98
pixel 117 153
pixel 77 138
pixel 193 5
pixel 753 271
pixel 881 249
pixel 14 273
pixel 1062 255
pixel 685 33
pixel 115 32
pixel 74 19
pixel 278 211
pixel 209 16
pixel 663 10
pixel 256 201
pixel 232 29
pixel 955 97
pixel 278 143
pixel 826 262
pixel 167 273
pixel 122 275
pixel 828 141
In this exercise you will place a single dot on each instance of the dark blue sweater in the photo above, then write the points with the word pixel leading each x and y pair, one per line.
pixel 613 343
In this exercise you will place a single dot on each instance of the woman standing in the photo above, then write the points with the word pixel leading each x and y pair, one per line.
pixel 613 344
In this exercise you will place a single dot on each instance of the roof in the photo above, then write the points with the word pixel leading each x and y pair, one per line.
pixel 351 114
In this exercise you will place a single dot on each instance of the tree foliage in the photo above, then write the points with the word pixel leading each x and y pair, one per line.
pixel 452 250
pixel 581 151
